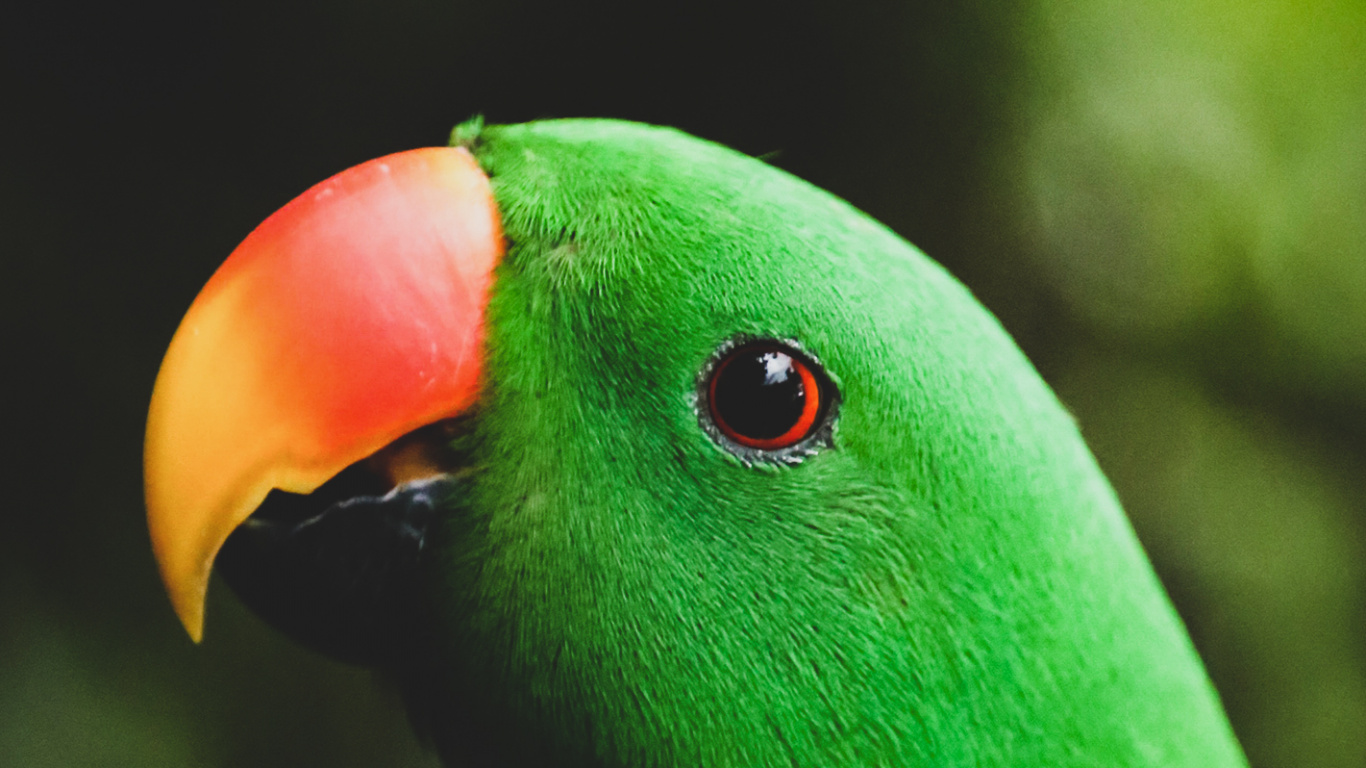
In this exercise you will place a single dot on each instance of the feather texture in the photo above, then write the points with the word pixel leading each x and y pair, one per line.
pixel 951 582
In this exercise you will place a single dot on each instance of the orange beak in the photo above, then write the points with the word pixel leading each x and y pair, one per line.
pixel 349 318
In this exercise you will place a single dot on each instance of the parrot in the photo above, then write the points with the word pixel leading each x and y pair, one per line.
pixel 613 446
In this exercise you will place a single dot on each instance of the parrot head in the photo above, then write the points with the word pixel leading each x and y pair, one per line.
pixel 616 447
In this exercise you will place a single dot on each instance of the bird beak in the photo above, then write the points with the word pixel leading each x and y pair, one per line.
pixel 347 319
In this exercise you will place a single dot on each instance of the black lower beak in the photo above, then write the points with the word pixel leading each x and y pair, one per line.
pixel 338 570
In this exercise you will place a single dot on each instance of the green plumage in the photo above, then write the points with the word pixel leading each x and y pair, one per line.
pixel 951 583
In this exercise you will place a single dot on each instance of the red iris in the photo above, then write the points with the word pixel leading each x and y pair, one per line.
pixel 765 396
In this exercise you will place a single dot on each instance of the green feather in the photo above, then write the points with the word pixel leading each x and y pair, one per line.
pixel 950 583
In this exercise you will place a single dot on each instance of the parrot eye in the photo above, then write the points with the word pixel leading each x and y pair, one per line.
pixel 765 398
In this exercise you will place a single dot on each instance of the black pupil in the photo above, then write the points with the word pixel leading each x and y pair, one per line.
pixel 759 394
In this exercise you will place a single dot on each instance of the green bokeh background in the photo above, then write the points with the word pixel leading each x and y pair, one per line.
pixel 1164 202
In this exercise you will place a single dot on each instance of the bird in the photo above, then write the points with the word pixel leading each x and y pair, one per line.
pixel 613 446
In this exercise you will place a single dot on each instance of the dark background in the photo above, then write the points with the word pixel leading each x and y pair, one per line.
pixel 1166 206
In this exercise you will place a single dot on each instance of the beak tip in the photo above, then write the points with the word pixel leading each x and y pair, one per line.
pixel 192 618
pixel 187 600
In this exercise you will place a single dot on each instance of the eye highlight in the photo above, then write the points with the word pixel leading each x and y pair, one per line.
pixel 767 397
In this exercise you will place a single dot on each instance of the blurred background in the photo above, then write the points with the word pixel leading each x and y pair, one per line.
pixel 1165 203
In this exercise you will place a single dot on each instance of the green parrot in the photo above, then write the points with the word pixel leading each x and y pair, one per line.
pixel 616 447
